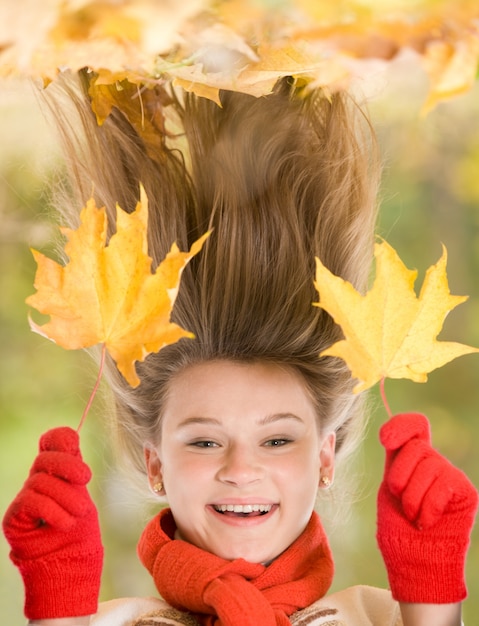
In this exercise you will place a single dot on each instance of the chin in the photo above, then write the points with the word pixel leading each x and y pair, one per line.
pixel 251 555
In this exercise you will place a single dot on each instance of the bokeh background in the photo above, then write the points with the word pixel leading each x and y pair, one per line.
pixel 430 195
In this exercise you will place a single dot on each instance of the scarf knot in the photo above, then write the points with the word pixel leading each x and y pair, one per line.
pixel 232 593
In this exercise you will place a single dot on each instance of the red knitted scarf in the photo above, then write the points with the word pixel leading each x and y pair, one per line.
pixel 234 593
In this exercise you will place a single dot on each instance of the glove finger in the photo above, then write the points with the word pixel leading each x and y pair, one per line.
pixel 452 493
pixel 62 439
pixel 402 428
pixel 74 500
pixel 404 465
pixel 32 510
pixel 416 497
pixel 434 504
pixel 63 465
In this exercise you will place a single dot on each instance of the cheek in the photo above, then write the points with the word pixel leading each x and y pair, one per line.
pixel 300 470
pixel 186 471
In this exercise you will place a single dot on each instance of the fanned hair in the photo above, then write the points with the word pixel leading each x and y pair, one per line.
pixel 280 179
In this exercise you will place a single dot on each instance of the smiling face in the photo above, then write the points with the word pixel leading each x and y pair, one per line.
pixel 240 458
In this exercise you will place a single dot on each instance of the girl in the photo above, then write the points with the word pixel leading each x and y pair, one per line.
pixel 241 427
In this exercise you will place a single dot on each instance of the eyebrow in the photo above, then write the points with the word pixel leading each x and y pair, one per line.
pixel 199 420
pixel 212 421
pixel 276 417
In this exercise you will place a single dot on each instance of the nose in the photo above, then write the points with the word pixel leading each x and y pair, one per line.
pixel 240 467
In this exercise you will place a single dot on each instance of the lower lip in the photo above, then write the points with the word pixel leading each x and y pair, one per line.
pixel 237 520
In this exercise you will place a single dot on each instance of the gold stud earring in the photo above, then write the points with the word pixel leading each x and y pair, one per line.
pixel 325 481
pixel 158 487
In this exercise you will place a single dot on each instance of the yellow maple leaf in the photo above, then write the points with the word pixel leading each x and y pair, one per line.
pixel 107 293
pixel 390 332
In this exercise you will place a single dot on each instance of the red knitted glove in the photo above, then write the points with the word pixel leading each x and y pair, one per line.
pixel 426 510
pixel 52 527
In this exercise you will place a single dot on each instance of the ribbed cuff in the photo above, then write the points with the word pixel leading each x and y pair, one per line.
pixel 62 587
pixel 419 572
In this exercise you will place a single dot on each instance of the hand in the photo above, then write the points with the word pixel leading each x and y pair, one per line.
pixel 426 510
pixel 52 528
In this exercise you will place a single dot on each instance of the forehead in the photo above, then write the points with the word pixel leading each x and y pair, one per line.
pixel 226 388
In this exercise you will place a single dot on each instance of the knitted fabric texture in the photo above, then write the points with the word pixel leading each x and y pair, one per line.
pixel 52 527
pixel 234 593
pixel 426 510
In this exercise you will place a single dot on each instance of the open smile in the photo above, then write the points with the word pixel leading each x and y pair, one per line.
pixel 253 510
pixel 243 514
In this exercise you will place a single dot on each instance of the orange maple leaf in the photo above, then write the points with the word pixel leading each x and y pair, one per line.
pixel 107 293
pixel 144 107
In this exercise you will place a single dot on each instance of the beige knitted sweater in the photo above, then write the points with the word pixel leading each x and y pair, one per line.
pixel 355 606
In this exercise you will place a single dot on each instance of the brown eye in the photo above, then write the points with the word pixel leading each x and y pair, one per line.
pixel 206 443
pixel 277 443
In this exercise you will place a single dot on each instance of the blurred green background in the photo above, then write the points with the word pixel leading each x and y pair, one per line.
pixel 430 195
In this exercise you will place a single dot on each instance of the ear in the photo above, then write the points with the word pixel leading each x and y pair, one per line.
pixel 153 467
pixel 326 457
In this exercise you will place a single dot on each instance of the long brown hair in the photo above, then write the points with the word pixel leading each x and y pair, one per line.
pixel 280 179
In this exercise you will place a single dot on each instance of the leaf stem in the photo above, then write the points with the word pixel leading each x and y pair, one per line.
pixel 383 397
pixel 95 388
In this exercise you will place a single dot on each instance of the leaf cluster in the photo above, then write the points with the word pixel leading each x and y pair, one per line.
pixel 242 45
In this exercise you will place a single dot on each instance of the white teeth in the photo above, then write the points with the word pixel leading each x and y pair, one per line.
pixel 243 508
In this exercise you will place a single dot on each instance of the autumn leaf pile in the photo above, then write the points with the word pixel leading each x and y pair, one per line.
pixel 243 45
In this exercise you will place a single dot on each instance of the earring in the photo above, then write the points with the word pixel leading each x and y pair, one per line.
pixel 325 481
pixel 158 487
